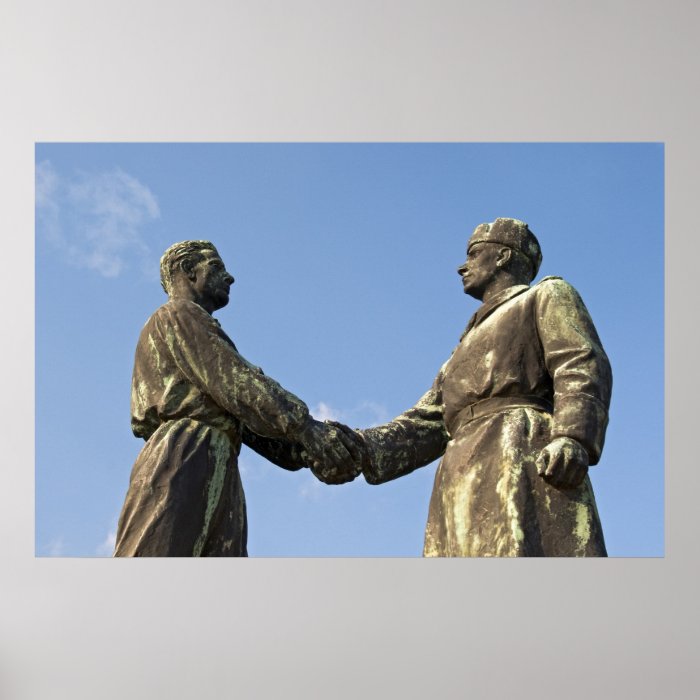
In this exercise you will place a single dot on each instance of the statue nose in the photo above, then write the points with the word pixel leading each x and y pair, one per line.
pixel 462 269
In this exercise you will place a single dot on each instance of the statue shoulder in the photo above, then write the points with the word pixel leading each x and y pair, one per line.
pixel 181 314
pixel 185 307
pixel 549 278
pixel 552 283
pixel 556 289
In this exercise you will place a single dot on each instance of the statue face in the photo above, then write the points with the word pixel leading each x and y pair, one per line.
pixel 480 268
pixel 211 281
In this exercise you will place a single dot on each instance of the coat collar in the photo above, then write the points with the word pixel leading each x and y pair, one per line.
pixel 489 307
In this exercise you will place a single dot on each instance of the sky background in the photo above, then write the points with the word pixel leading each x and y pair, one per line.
pixel 346 292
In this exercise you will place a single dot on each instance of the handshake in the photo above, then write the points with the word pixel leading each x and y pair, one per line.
pixel 334 452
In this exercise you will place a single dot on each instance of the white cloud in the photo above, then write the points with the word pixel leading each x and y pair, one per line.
pixel 46 184
pixel 364 415
pixel 253 467
pixel 106 547
pixel 95 220
pixel 55 547
pixel 370 413
pixel 311 488
pixel 47 208
pixel 324 412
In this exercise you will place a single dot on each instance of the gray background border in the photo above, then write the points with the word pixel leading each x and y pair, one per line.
pixel 340 71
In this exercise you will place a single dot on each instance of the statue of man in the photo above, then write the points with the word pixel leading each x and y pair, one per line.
pixel 519 412
pixel 195 399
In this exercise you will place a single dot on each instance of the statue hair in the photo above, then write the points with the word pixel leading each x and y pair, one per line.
pixel 185 251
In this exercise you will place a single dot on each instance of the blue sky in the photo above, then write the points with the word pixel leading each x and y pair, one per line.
pixel 346 292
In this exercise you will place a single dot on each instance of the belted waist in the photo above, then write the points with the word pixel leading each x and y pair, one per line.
pixel 225 423
pixel 501 403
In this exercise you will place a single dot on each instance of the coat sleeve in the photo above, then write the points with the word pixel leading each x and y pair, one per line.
pixel 579 368
pixel 208 359
pixel 410 441
pixel 283 453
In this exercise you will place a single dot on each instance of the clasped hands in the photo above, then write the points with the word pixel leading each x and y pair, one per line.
pixel 334 452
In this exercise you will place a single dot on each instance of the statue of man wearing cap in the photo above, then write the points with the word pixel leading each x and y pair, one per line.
pixel 194 400
pixel 518 412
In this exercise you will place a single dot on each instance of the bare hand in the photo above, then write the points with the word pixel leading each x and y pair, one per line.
pixel 333 456
pixel 563 463
pixel 353 441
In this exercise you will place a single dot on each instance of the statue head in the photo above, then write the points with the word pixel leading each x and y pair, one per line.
pixel 513 234
pixel 194 270
pixel 504 252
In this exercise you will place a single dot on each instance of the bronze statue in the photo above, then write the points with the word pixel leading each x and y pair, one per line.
pixel 195 399
pixel 519 412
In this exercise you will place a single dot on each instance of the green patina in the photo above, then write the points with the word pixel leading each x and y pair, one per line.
pixel 141 391
pixel 532 345
pixel 507 487
pixel 154 351
pixel 219 450
pixel 168 382
pixel 462 507
pixel 190 387
pixel 582 530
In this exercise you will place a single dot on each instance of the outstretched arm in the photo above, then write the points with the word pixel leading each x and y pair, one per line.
pixel 284 453
pixel 278 424
pixel 209 360
pixel 334 453
pixel 410 441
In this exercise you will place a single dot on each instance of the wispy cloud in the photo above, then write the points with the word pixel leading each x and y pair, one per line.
pixel 364 415
pixel 325 412
pixel 253 467
pixel 106 547
pixel 311 488
pixel 94 220
pixel 55 548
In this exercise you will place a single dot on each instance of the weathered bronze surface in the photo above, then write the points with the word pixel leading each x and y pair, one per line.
pixel 195 399
pixel 519 412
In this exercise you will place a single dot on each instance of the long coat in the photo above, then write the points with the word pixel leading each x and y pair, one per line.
pixel 529 368
pixel 195 399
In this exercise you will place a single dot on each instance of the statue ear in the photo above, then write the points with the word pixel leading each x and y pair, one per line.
pixel 187 267
pixel 503 258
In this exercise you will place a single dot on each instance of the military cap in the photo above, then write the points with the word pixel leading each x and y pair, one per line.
pixel 513 234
